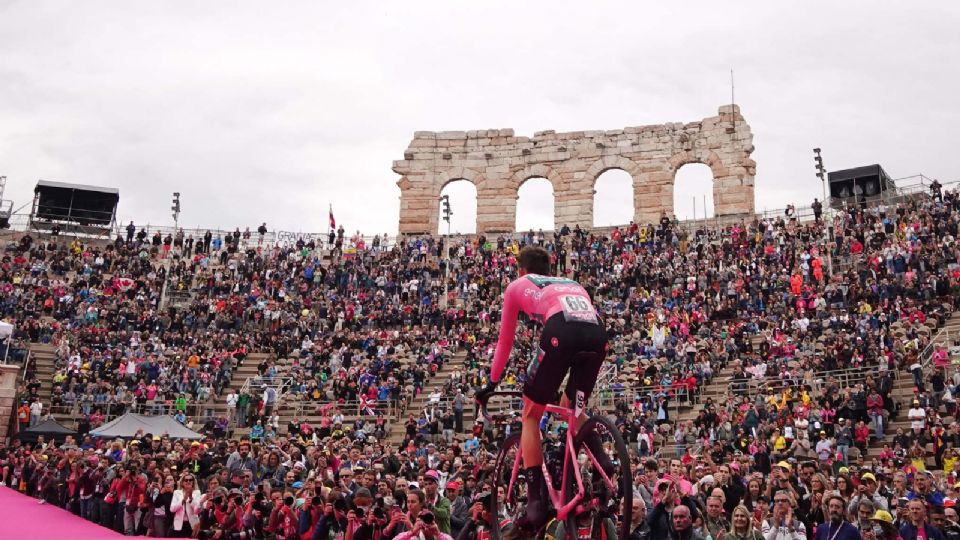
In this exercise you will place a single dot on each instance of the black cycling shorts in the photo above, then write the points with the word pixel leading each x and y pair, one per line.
pixel 577 347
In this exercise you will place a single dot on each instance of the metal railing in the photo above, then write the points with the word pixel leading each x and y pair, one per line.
pixel 944 337
pixel 21 222
pixel 607 398
pixel 259 383
pixel 196 414
pixel 26 365
pixel 306 408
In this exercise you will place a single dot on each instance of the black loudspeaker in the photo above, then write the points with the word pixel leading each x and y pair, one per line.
pixel 75 203
pixel 859 182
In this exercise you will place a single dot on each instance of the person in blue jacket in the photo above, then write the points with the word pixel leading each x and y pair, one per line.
pixel 838 528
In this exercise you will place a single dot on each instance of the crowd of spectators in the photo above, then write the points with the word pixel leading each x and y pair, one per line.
pixel 366 331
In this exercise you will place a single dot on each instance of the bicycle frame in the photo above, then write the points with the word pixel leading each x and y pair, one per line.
pixel 564 508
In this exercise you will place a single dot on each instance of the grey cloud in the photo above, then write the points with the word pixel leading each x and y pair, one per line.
pixel 270 113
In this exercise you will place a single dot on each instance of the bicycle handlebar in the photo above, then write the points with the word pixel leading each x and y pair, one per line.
pixel 483 399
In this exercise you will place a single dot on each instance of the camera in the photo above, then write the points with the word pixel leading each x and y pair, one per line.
pixel 427 519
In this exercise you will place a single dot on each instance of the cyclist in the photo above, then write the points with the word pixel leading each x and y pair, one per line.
pixel 573 338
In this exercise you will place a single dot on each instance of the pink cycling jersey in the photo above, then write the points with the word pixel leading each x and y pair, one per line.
pixel 539 297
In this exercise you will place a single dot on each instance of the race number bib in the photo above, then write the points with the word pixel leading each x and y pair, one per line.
pixel 577 309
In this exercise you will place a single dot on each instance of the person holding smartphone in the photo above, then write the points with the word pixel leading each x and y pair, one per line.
pixel 401 521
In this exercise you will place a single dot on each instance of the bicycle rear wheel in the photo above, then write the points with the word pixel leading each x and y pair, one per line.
pixel 514 498
pixel 616 492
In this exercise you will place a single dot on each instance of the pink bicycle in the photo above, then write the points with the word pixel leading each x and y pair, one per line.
pixel 566 464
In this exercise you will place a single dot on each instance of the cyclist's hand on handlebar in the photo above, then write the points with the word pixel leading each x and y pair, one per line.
pixel 483 394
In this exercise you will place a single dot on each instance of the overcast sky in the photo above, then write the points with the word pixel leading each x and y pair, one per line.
pixel 271 111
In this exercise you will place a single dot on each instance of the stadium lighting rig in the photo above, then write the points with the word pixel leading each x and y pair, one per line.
pixel 447 212
pixel 176 210
pixel 822 175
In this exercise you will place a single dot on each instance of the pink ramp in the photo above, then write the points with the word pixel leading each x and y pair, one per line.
pixel 23 517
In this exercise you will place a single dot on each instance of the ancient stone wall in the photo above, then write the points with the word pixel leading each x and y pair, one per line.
pixel 497 162
pixel 8 393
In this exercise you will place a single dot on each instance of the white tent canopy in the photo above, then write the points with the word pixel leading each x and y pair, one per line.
pixel 129 424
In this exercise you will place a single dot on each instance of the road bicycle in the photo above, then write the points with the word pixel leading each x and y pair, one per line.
pixel 566 466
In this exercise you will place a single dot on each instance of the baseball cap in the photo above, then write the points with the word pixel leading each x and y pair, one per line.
pixel 784 465
pixel 432 475
pixel 868 476
pixel 453 484
pixel 882 515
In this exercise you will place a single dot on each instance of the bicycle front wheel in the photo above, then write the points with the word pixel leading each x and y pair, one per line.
pixel 613 492
pixel 508 496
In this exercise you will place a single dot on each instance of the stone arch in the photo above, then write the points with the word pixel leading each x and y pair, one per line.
pixel 698 155
pixel 520 177
pixel 460 173
pixel 602 165
pixel 707 157
pixel 692 191
pixel 538 170
pixel 612 162
pixel 536 205
pixel 465 201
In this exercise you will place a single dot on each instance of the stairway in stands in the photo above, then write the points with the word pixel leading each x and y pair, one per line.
pixel 397 432
pixel 44 356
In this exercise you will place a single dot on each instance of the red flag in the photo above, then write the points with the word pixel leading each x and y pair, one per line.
pixel 333 222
